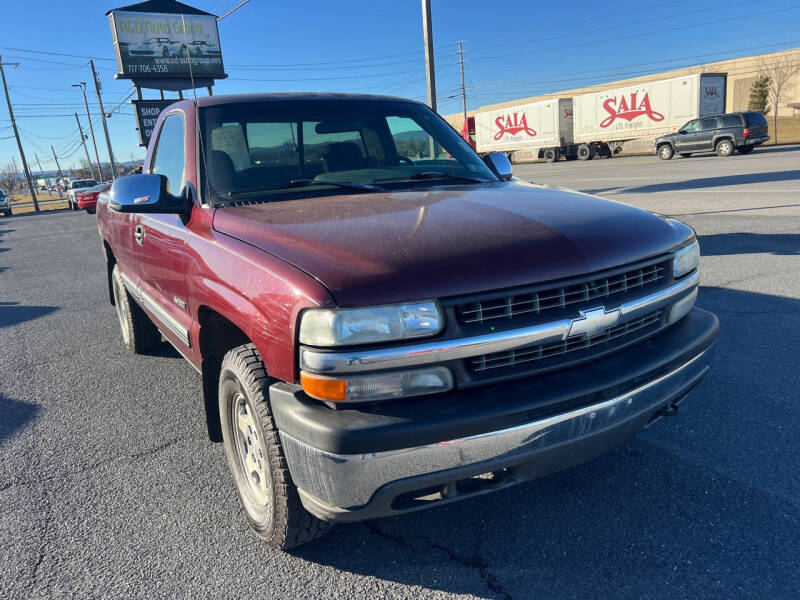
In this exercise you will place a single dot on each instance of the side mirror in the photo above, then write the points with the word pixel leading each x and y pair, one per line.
pixel 682 131
pixel 499 163
pixel 145 194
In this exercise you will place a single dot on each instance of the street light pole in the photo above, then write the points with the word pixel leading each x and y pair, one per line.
pixel 82 85
pixel 83 141
pixel 16 134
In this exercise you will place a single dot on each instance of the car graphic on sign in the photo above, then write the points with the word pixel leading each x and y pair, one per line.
pixel 203 48
pixel 158 46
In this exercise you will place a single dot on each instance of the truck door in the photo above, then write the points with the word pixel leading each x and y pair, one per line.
pixel 705 138
pixel 159 241
pixel 686 140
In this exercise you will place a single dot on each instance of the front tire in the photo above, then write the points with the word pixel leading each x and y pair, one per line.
pixel 139 335
pixel 255 455
pixel 724 148
pixel 665 152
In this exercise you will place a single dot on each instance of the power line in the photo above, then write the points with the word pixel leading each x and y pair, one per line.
pixel 51 53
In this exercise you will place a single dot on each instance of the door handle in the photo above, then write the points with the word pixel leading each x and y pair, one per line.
pixel 139 234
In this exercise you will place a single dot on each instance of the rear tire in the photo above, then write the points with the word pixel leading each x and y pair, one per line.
pixel 585 152
pixel 665 152
pixel 745 149
pixel 139 335
pixel 724 148
pixel 551 155
pixel 255 455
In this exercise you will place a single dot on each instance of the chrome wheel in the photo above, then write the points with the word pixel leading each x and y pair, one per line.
pixel 250 450
pixel 665 152
pixel 123 321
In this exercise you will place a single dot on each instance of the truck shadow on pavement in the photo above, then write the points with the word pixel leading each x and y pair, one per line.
pixel 12 313
pixel 698 505
pixel 709 182
pixel 742 242
pixel 14 415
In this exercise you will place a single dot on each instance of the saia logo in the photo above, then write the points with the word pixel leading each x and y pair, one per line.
pixel 512 124
pixel 629 108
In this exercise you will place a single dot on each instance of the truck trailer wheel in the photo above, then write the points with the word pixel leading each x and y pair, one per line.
pixel 138 332
pixel 255 454
pixel 551 155
pixel 665 152
pixel 585 152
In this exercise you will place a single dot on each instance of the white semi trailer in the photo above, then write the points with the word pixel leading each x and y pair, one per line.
pixel 604 120
pixel 543 127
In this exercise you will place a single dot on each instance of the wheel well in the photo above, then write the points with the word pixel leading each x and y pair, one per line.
pixel 722 137
pixel 111 260
pixel 217 336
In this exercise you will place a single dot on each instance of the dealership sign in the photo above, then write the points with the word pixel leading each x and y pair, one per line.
pixel 166 46
pixel 147 112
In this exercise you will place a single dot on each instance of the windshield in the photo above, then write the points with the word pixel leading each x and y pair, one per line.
pixel 84 183
pixel 269 148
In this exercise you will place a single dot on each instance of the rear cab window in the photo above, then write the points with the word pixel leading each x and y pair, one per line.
pixel 755 119
pixel 731 121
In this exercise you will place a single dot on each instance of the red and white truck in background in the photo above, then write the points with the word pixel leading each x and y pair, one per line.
pixel 598 123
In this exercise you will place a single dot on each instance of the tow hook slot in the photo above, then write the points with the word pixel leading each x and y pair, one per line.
pixel 670 410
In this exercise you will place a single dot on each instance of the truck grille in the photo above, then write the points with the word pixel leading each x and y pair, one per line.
pixel 574 295
pixel 618 335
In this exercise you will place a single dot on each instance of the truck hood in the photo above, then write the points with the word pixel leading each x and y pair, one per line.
pixel 378 248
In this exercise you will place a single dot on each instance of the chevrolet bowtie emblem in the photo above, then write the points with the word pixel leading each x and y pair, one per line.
pixel 593 322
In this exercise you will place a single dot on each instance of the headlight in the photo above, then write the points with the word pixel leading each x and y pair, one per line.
pixel 350 326
pixel 686 260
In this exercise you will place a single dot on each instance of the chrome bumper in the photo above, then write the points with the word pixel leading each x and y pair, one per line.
pixel 333 485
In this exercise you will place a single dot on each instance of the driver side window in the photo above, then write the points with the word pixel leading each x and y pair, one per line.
pixel 170 159
pixel 411 140
pixel 692 126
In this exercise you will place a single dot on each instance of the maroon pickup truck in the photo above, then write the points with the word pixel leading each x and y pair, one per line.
pixel 385 321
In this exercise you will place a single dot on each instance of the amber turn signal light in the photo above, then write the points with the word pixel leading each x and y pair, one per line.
pixel 324 388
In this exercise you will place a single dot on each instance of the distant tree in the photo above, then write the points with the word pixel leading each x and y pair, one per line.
pixel 779 71
pixel 759 95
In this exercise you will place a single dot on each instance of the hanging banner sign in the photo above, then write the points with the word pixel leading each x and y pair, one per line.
pixel 168 46
pixel 147 112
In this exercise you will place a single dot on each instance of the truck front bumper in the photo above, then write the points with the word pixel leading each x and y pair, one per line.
pixel 351 465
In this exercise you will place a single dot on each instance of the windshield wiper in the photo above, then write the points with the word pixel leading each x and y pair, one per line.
pixel 299 183
pixel 343 184
pixel 438 175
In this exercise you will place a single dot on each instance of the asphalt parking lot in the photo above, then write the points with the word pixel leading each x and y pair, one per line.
pixel 108 487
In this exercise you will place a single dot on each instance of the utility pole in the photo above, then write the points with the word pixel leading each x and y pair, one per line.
pixel 463 87
pixel 16 133
pixel 60 174
pixel 83 141
pixel 41 171
pixel 105 124
pixel 82 85
pixel 427 31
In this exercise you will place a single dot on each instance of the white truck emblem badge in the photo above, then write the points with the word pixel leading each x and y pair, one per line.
pixel 593 322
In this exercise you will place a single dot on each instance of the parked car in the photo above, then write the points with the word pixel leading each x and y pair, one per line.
pixel 87 199
pixel 741 131
pixel 378 333
pixel 157 46
pixel 72 190
pixel 5 204
pixel 203 48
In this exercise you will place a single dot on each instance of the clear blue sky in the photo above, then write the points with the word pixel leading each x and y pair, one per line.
pixel 513 48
